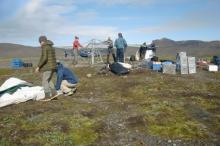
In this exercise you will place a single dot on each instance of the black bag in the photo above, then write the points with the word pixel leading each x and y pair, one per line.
pixel 132 58
pixel 118 69
pixel 216 60
pixel 155 58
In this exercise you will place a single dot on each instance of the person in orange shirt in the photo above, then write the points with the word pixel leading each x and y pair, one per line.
pixel 76 47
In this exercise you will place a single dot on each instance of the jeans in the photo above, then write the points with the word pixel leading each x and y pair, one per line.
pixel 120 55
pixel 47 83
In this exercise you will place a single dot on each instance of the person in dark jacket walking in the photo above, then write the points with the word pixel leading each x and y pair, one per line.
pixel 66 80
pixel 47 64
pixel 121 45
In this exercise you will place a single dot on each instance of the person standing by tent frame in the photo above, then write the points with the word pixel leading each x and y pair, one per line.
pixel 47 64
pixel 121 45
pixel 76 46
pixel 110 51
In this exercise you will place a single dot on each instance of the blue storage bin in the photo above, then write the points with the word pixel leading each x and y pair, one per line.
pixel 16 63
pixel 156 66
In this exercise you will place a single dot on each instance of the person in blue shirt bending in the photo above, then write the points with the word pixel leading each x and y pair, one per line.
pixel 66 80
pixel 121 45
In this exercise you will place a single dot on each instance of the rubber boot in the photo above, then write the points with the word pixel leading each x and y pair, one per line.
pixel 114 57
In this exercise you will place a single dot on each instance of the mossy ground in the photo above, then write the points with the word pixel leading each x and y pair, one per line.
pixel 142 108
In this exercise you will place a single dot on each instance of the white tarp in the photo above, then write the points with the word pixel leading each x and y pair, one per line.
pixel 148 55
pixel 126 65
pixel 137 55
pixel 22 94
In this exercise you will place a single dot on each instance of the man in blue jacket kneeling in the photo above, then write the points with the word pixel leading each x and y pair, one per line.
pixel 66 80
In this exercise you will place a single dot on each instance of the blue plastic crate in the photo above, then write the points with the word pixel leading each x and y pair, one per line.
pixel 16 63
pixel 156 67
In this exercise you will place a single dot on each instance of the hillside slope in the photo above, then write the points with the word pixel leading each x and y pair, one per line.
pixel 192 47
pixel 16 50
pixel 166 47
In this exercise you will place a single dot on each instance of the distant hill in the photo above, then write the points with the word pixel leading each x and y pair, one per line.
pixel 168 47
pixel 192 47
pixel 16 50
pixel 165 47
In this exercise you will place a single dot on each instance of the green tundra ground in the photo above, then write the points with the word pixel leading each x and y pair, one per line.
pixel 144 108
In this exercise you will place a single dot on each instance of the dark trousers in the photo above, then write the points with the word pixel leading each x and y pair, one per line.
pixel 120 55
pixel 113 55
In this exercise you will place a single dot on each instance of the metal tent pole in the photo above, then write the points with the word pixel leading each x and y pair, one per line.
pixel 100 56
pixel 93 51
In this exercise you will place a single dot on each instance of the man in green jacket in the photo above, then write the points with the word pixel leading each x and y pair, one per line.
pixel 47 65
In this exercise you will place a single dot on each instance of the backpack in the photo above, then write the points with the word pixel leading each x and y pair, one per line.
pixel 154 58
pixel 132 58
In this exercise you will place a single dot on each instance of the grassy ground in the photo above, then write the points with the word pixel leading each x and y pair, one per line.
pixel 140 109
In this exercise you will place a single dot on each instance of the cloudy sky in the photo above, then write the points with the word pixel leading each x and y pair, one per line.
pixel 22 21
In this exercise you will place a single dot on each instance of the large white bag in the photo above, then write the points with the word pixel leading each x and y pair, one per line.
pixel 20 95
